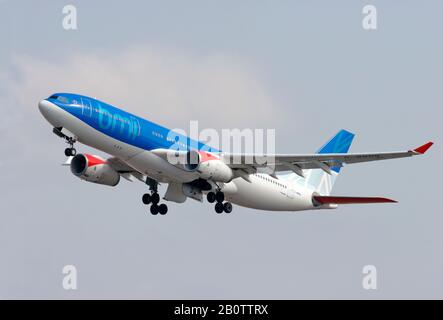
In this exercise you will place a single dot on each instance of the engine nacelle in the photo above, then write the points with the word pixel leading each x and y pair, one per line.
pixel 208 166
pixel 205 164
pixel 94 169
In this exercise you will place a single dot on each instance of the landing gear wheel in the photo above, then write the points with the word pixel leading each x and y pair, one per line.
pixel 146 198
pixel 154 209
pixel 219 207
pixel 70 152
pixel 211 197
pixel 155 198
pixel 163 209
pixel 227 207
pixel 220 197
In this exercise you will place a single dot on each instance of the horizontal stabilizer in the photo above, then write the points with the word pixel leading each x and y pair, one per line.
pixel 68 161
pixel 350 200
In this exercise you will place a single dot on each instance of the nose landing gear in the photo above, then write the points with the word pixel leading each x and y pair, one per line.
pixel 69 152
pixel 218 198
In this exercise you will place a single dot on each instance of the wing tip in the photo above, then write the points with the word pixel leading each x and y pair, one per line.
pixel 422 149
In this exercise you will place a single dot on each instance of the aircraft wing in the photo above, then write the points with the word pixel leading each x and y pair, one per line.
pixel 125 171
pixel 326 162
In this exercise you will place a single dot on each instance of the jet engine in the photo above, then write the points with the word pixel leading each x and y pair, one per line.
pixel 205 164
pixel 94 169
pixel 208 166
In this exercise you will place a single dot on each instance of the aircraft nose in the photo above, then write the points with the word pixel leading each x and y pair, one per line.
pixel 49 112
pixel 45 107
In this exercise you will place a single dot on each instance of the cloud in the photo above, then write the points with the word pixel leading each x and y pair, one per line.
pixel 165 86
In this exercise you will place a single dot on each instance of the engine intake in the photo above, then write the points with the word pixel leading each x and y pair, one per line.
pixel 94 169
pixel 208 166
pixel 192 160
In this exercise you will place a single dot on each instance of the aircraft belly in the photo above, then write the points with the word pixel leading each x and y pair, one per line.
pixel 259 195
pixel 156 167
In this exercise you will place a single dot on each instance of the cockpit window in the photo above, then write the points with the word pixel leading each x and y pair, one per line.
pixel 63 99
pixel 59 98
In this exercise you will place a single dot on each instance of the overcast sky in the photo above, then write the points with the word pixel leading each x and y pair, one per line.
pixel 304 68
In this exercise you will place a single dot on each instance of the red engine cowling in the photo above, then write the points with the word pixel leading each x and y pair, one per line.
pixel 94 169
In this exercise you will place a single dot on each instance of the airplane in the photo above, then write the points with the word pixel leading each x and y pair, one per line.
pixel 143 150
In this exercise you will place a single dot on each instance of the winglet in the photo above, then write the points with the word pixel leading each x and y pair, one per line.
pixel 422 149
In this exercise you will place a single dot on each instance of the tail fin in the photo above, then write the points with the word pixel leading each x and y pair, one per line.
pixel 321 181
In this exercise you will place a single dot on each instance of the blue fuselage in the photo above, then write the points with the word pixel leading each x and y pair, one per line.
pixel 124 126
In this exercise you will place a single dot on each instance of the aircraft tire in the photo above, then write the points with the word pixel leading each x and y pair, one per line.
pixel 227 207
pixel 219 207
pixel 154 209
pixel 163 209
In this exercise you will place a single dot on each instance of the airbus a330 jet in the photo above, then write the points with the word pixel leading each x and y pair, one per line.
pixel 143 150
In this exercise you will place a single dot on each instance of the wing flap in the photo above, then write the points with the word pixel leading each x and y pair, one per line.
pixel 125 170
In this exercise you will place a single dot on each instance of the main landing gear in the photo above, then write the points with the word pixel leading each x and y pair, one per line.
pixel 218 198
pixel 153 199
